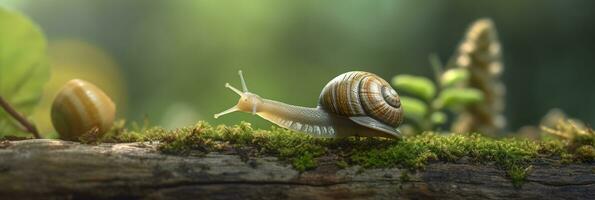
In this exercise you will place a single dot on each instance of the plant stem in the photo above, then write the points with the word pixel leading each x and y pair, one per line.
pixel 30 127
pixel 437 67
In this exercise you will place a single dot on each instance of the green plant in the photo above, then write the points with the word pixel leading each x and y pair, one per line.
pixel 578 139
pixel 470 89
pixel 429 102
pixel 480 54
pixel 24 70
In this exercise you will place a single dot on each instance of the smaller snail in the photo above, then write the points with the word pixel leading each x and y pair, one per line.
pixel 80 107
pixel 352 104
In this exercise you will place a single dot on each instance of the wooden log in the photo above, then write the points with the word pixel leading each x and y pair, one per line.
pixel 44 168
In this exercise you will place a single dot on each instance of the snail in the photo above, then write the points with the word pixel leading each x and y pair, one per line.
pixel 352 104
pixel 81 107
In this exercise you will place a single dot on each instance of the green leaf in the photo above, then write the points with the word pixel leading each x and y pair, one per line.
pixel 438 118
pixel 454 76
pixel 24 67
pixel 416 85
pixel 414 109
pixel 454 97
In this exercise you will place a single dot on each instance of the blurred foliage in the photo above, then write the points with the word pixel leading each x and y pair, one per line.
pixel 419 86
pixel 23 67
pixel 577 139
pixel 480 54
pixel 577 135
pixel 454 76
pixel 425 109
pixel 454 97
pixel 470 88
pixel 174 56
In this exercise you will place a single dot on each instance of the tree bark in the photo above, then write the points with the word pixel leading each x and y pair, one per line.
pixel 44 168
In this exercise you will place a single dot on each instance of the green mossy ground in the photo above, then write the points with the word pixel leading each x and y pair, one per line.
pixel 302 151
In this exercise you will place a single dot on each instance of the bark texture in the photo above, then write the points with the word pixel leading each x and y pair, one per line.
pixel 44 168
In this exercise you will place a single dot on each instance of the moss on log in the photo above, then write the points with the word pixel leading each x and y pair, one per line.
pixel 44 168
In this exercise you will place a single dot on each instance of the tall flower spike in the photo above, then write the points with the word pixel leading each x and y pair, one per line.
pixel 480 53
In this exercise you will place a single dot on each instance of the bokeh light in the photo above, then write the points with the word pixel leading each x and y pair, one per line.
pixel 70 59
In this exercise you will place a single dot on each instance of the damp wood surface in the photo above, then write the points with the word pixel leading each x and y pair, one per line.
pixel 46 168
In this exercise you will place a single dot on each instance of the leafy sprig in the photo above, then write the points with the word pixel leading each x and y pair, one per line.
pixel 429 101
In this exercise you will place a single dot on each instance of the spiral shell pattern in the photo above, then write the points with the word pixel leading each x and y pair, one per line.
pixel 362 94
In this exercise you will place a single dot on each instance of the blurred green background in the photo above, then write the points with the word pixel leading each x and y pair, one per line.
pixel 169 60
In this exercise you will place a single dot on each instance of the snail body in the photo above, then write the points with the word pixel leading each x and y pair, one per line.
pixel 352 104
pixel 80 107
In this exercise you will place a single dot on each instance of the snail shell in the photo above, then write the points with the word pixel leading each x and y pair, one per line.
pixel 81 107
pixel 360 93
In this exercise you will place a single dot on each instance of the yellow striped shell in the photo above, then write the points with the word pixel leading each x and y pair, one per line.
pixel 362 94
pixel 80 107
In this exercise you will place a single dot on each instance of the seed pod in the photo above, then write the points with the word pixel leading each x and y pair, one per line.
pixel 81 107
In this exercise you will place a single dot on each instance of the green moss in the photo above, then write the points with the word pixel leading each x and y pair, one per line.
pixel 585 153
pixel 512 155
pixel 518 174
pixel 303 151
pixel 304 162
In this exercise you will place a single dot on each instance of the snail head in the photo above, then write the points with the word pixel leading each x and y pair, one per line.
pixel 248 102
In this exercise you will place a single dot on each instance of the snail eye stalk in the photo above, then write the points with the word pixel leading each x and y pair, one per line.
pixel 227 85
pixel 230 110
pixel 237 91
pixel 243 81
